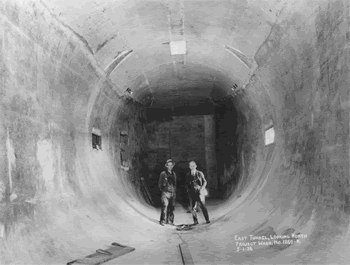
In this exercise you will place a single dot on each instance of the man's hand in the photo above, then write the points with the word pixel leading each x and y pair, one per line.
pixel 204 191
pixel 198 188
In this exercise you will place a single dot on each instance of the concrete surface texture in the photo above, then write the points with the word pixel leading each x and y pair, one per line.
pixel 70 67
pixel 181 138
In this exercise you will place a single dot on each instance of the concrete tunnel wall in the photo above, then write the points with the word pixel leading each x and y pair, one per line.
pixel 52 96
pixel 60 198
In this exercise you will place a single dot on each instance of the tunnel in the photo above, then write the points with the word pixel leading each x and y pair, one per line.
pixel 97 95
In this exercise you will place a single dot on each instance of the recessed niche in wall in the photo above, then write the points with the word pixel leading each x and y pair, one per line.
pixel 269 136
pixel 96 139
pixel 124 160
pixel 124 138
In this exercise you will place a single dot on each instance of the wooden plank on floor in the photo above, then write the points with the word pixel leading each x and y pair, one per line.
pixel 104 255
pixel 185 254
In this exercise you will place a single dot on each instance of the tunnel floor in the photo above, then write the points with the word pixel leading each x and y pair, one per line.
pixel 182 217
pixel 216 243
pixel 169 253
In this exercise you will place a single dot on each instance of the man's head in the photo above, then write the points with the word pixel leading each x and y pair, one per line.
pixel 193 165
pixel 169 164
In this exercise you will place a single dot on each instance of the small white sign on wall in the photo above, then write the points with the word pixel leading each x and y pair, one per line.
pixel 178 47
pixel 269 136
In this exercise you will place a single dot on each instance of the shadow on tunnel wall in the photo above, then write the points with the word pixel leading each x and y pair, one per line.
pixel 237 140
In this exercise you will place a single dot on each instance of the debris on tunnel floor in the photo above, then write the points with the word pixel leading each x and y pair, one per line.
pixel 184 227
pixel 102 256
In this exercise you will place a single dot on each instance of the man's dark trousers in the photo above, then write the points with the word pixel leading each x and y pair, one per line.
pixel 191 205
pixel 195 195
pixel 168 206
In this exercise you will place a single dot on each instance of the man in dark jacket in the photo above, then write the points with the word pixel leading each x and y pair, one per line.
pixel 196 184
pixel 167 185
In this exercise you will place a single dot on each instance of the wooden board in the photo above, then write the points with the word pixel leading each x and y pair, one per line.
pixel 104 255
pixel 185 254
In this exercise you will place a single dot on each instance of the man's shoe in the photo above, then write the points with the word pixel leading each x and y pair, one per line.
pixel 171 224
pixel 162 223
pixel 195 223
pixel 208 222
pixel 189 211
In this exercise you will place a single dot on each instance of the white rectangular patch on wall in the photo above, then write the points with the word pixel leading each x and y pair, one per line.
pixel 96 131
pixel 269 136
pixel 178 47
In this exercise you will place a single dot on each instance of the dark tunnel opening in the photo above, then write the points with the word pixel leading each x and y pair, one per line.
pixel 220 138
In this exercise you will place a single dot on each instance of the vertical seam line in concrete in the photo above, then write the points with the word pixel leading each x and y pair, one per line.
pixel 8 147
pixel 183 26
pixel 2 22
pixel 168 13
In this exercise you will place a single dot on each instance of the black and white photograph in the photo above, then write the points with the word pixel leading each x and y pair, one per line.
pixel 182 132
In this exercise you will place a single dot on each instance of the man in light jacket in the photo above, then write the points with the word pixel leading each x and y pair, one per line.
pixel 196 184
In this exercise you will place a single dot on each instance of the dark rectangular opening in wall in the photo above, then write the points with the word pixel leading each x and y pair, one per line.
pixel 124 138
pixel 96 142
pixel 123 158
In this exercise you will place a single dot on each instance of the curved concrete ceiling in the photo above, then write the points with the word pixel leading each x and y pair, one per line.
pixel 222 38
